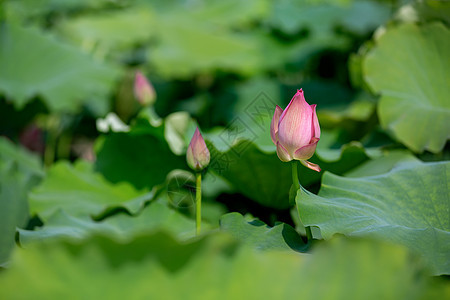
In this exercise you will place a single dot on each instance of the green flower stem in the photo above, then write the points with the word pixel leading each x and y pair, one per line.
pixel 296 183
pixel 49 152
pixel 53 123
pixel 198 202
pixel 63 146
pixel 295 176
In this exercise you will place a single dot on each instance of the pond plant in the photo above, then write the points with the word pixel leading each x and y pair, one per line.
pixel 145 152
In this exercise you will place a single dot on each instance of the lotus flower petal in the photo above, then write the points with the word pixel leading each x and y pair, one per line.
pixel 197 154
pixel 282 153
pixel 296 131
pixel 307 151
pixel 310 165
pixel 315 121
pixel 274 124
pixel 143 90
pixel 295 126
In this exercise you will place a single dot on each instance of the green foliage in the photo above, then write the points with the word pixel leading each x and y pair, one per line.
pixel 141 158
pixel 14 157
pixel 357 16
pixel 61 75
pixel 212 267
pixel 205 40
pixel 112 214
pixel 79 191
pixel 261 236
pixel 112 31
pixel 396 206
pixel 337 161
pixel 250 171
pixel 154 217
pixel 19 171
pixel 382 164
pixel 414 89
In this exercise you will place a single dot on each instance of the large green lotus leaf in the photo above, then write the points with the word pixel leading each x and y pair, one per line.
pixel 299 227
pixel 354 118
pixel 36 10
pixel 19 171
pixel 13 208
pixel 382 164
pixel 154 217
pixel 116 30
pixel 258 175
pixel 347 269
pixel 63 76
pixel 25 162
pixel 356 16
pixel 408 205
pixel 410 67
pixel 430 10
pixel 207 39
pixel 142 21
pixel 350 156
pixel 359 110
pixel 189 49
pixel 141 157
pixel 329 149
pixel 259 235
pixel 364 16
pixel 257 97
pixel 230 14
pixel 182 44
pixel 337 160
pixel 251 118
pixel 157 266
pixel 79 191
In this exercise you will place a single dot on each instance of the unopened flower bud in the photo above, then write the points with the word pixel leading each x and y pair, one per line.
pixel 197 154
pixel 143 90
pixel 296 131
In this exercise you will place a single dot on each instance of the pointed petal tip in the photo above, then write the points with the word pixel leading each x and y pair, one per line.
pixel 300 94
pixel 197 137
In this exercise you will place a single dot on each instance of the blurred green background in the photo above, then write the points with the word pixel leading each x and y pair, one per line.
pixel 210 58
pixel 65 63
pixel 106 197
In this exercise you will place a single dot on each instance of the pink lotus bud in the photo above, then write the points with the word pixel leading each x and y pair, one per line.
pixel 143 90
pixel 197 154
pixel 296 131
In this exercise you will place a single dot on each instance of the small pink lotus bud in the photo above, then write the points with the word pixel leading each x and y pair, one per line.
pixel 143 90
pixel 296 131
pixel 197 154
